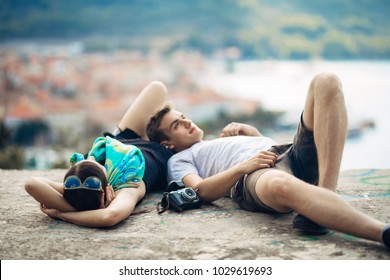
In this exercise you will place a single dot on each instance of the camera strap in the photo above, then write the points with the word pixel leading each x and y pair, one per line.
pixel 163 205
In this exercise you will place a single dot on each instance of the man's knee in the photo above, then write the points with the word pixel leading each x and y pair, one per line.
pixel 328 79
pixel 327 86
pixel 276 190
pixel 278 183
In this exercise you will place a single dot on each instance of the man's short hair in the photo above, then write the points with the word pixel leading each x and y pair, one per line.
pixel 153 128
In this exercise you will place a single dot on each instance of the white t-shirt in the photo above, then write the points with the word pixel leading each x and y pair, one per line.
pixel 208 158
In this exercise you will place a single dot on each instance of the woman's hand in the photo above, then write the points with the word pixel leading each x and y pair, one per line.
pixel 53 213
pixel 234 129
pixel 110 195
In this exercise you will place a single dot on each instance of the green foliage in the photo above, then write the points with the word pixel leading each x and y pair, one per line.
pixel 298 29
pixel 27 133
pixel 261 119
pixel 11 157
pixel 4 135
pixel 60 164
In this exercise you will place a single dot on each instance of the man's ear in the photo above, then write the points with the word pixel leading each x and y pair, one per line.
pixel 167 144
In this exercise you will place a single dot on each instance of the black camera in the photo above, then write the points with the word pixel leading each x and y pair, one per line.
pixel 179 200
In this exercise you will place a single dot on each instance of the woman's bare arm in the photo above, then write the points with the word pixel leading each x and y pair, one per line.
pixel 48 193
pixel 119 209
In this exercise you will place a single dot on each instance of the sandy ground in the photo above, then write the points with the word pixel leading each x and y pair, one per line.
pixel 217 232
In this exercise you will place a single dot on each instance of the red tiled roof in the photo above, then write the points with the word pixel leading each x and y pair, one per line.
pixel 24 112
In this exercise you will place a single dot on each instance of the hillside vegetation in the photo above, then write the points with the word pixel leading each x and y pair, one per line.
pixel 297 29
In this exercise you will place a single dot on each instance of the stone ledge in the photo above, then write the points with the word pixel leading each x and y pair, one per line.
pixel 217 231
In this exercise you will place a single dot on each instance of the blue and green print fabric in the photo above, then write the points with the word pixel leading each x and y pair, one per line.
pixel 125 164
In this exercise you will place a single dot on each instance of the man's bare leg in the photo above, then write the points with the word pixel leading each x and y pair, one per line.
pixel 326 115
pixel 284 192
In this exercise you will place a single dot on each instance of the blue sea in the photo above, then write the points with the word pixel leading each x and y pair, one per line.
pixel 282 85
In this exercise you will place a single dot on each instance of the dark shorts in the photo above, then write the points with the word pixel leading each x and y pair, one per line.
pixel 298 158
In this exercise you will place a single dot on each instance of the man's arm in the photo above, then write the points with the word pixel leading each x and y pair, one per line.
pixel 234 129
pixel 216 186
pixel 118 210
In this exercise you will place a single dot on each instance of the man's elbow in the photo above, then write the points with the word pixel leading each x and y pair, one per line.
pixel 206 197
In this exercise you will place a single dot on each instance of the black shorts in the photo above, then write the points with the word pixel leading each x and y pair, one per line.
pixel 156 158
pixel 298 158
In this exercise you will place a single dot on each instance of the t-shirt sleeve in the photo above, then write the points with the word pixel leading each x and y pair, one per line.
pixel 179 166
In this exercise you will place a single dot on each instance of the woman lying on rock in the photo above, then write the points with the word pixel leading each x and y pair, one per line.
pixel 103 187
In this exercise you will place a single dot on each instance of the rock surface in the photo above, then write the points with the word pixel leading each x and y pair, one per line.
pixel 216 232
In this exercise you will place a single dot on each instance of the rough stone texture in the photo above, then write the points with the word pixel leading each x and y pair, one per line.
pixel 218 231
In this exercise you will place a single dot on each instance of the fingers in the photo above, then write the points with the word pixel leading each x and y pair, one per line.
pixel 261 160
pixel 46 210
pixel 110 195
pixel 267 157
pixel 111 192
pixel 231 129
pixel 102 203
pixel 234 129
pixel 269 154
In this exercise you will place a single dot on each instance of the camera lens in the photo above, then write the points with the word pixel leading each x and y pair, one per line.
pixel 189 193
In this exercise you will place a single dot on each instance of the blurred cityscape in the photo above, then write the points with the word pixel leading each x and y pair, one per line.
pixel 70 69
pixel 55 98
